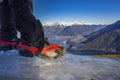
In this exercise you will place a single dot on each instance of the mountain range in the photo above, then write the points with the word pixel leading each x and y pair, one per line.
pixel 58 29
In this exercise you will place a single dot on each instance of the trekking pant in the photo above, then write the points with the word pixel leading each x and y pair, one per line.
pixel 7 21
pixel 17 15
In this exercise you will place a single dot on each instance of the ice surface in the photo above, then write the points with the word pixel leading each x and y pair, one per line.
pixel 69 67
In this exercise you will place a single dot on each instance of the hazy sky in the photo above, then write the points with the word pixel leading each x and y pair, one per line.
pixel 83 11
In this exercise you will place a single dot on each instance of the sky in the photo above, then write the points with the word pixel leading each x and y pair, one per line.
pixel 81 11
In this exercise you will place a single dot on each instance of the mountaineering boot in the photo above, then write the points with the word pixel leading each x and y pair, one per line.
pixel 26 51
pixel 5 47
pixel 8 45
pixel 51 51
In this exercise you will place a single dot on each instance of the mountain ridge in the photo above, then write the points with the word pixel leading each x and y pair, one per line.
pixel 107 39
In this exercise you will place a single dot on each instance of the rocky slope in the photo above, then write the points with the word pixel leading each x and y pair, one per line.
pixel 107 39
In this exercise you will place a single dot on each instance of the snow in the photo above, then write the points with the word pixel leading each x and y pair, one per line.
pixel 69 67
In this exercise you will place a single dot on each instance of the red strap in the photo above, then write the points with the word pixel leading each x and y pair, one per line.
pixel 33 50
pixel 8 43
pixel 52 47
